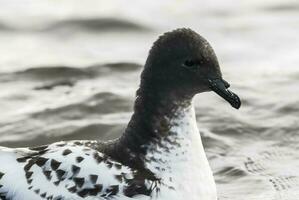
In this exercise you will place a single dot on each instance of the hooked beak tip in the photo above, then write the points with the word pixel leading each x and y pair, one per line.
pixel 237 103
pixel 220 87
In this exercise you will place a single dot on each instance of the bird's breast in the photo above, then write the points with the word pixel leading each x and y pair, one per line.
pixel 179 160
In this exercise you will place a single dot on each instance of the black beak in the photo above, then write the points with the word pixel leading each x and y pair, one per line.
pixel 220 87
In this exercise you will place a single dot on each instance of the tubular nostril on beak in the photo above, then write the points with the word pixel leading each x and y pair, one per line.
pixel 226 84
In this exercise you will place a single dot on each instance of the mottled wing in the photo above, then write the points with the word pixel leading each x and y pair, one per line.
pixel 61 171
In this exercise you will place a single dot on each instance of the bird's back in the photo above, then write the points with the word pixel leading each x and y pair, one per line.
pixel 72 170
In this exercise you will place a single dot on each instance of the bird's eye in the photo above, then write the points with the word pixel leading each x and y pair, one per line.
pixel 189 64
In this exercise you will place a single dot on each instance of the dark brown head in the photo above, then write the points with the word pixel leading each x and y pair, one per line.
pixel 184 63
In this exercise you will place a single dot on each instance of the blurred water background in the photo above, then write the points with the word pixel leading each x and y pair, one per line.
pixel 69 70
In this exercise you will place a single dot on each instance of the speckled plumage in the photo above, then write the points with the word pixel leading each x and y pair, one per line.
pixel 63 170
pixel 159 156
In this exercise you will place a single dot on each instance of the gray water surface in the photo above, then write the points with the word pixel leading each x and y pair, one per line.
pixel 70 69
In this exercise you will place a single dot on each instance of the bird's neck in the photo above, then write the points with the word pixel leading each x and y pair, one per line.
pixel 155 118
pixel 154 113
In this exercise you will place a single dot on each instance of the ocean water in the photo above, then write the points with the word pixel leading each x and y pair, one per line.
pixel 70 69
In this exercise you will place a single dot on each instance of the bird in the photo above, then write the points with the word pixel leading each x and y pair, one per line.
pixel 159 155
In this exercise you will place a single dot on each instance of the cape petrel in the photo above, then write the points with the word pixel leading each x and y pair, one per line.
pixel 159 156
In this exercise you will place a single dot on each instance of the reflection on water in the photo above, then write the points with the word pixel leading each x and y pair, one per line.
pixel 70 70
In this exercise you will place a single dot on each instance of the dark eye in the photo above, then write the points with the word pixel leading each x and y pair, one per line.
pixel 189 64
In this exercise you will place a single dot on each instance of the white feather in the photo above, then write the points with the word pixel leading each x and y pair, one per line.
pixel 185 169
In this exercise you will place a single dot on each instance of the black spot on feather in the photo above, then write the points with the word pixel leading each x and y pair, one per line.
pixel 40 161
pixel 98 187
pixel 1 175
pixel 79 159
pixel 79 181
pixel 78 143
pixel 23 159
pixel 50 197
pixel 72 189
pixel 66 152
pixel 75 170
pixel 58 198
pixel 60 173
pixel 93 192
pixel 98 158
pixel 55 164
pixel 57 182
pixel 29 165
pixel 37 191
pixel 61 145
pixel 47 174
pixel 112 190
pixel 83 193
pixel 43 195
pixel 29 181
pixel 28 175
pixel 93 178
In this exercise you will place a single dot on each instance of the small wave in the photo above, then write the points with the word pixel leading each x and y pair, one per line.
pixel 56 72
pixel 97 131
pixel 98 104
pixel 66 132
pixel 286 7
pixel 72 25
pixel 120 66
pixel 50 77
pixel 95 25
pixel 49 72
pixel 51 86
pixel 289 108
pixel 5 27
pixel 231 171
